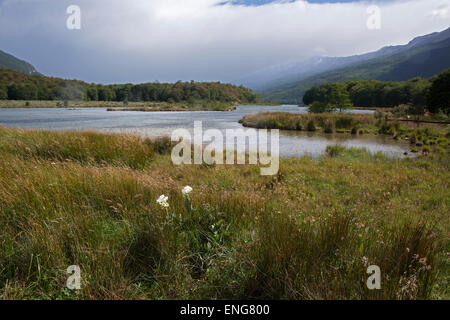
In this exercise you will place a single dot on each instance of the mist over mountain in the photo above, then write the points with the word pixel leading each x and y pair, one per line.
pixel 423 56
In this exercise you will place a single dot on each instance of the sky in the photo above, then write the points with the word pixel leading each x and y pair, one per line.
pixel 137 41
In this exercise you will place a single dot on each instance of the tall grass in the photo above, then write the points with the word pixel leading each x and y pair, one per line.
pixel 328 122
pixel 309 232
pixel 86 147
pixel 429 138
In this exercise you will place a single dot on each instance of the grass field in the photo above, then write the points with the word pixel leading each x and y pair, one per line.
pixel 310 232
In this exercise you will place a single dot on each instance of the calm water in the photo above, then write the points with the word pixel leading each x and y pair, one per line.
pixel 153 124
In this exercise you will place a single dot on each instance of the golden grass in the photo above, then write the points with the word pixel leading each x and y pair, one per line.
pixel 307 233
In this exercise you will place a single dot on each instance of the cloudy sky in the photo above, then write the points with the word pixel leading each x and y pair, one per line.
pixel 170 40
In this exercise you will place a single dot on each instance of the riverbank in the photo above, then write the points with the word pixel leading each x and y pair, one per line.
pixel 121 106
pixel 424 137
pixel 309 232
pixel 172 109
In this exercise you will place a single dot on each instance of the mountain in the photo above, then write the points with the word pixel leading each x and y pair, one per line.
pixel 424 56
pixel 8 61
pixel 286 73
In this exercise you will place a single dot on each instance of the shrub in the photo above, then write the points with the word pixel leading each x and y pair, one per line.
pixel 319 107
pixel 334 151
pixel 311 126
pixel 345 122
pixel 328 127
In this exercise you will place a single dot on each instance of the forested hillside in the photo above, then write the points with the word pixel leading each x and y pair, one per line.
pixel 10 62
pixel 19 86
pixel 422 61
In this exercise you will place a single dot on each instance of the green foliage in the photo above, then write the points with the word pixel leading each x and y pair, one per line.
pixel 338 96
pixel 371 93
pixel 319 107
pixel 399 67
pixel 308 121
pixel 338 151
pixel 35 87
pixel 3 92
pixel 438 97
pixel 10 62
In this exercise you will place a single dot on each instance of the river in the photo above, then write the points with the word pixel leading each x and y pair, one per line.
pixel 154 124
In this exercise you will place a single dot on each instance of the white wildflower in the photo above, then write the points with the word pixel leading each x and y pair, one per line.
pixel 186 191
pixel 365 261
pixel 162 201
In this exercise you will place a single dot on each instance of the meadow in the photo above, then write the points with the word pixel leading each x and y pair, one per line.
pixel 310 232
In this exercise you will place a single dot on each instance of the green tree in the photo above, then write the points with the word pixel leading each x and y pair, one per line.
pixel 3 92
pixel 338 96
pixel 105 94
pixel 319 107
pixel 438 97
pixel 92 94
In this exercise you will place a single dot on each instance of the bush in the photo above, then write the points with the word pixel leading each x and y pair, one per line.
pixel 319 107
pixel 402 110
pixel 345 122
pixel 162 145
pixel 328 127
pixel 311 126
pixel 334 151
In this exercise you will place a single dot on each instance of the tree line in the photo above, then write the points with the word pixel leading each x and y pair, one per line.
pixel 19 86
pixel 431 94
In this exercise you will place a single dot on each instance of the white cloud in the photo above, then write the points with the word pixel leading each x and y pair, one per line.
pixel 442 11
pixel 138 40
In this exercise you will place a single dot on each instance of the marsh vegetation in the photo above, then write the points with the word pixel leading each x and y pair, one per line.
pixel 89 199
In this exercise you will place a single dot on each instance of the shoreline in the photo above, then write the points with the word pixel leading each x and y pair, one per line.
pixel 149 109
pixel 120 106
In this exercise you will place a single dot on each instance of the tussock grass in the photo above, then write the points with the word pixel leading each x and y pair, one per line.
pixel 428 138
pixel 328 122
pixel 86 147
pixel 309 232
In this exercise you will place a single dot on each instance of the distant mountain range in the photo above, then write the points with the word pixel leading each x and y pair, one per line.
pixel 424 56
pixel 10 62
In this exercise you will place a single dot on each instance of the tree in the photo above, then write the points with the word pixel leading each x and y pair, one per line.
pixel 18 86
pixel 338 96
pixel 319 107
pixel 438 97
pixel 315 94
pixel 105 94
pixel 92 94
pixel 27 91
pixel 3 92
